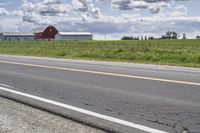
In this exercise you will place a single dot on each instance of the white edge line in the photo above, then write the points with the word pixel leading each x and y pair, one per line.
pixel 5 85
pixel 105 117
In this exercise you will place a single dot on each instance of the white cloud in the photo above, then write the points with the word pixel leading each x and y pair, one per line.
pixel 16 13
pixel 39 12
pixel 3 12
pixel 153 5
pixel 9 25
pixel 5 4
pixel 85 15
pixel 86 6
pixel 180 10
pixel 46 7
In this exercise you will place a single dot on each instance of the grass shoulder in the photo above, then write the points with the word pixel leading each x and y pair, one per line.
pixel 165 52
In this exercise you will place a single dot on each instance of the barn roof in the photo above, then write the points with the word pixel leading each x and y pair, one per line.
pixel 74 33
pixel 17 34
pixel 41 29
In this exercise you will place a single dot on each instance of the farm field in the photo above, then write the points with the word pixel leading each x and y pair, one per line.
pixel 164 52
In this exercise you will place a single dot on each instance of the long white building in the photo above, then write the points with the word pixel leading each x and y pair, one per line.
pixel 49 33
pixel 16 36
pixel 73 36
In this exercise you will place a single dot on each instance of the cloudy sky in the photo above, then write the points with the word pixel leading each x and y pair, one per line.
pixel 114 18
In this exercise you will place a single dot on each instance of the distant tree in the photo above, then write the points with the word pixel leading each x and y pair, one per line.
pixel 150 38
pixel 142 38
pixel 145 38
pixel 184 36
pixel 174 35
pixel 136 38
pixel 130 38
pixel 170 35
pixel 198 37
pixel 165 37
pixel 127 38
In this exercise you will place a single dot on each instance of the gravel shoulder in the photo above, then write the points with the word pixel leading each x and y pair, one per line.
pixel 19 118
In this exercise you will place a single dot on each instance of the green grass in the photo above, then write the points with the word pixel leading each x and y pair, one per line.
pixel 167 52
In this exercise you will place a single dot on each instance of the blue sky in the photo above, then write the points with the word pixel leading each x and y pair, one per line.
pixel 115 18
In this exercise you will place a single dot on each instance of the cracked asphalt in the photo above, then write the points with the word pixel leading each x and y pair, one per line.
pixel 171 107
pixel 19 118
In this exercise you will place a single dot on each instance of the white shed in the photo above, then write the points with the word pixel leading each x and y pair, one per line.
pixel 73 36
pixel 16 36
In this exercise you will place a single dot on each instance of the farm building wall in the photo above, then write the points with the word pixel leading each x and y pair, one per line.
pixel 21 38
pixel 16 37
pixel 48 33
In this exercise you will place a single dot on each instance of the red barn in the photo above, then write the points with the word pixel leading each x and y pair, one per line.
pixel 47 34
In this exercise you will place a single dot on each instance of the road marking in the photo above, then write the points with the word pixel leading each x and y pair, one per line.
pixel 80 110
pixel 120 64
pixel 103 73
pixel 5 85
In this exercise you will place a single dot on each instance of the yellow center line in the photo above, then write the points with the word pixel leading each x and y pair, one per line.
pixel 103 73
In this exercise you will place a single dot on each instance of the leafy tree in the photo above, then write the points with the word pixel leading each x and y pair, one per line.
pixel 163 37
pixel 136 38
pixel 150 38
pixel 170 35
pixel 127 38
pixel 174 35
pixel 130 38
pixel 184 36
pixel 198 37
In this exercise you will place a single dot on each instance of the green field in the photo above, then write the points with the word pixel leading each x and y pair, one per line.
pixel 167 52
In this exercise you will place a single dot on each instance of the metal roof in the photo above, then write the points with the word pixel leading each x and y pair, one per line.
pixel 17 34
pixel 41 28
pixel 74 33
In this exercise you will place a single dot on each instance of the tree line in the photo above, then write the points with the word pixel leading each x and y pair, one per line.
pixel 168 35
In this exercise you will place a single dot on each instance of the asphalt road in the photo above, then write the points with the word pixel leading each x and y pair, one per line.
pixel 159 97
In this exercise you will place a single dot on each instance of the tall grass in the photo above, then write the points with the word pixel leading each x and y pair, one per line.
pixel 168 52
